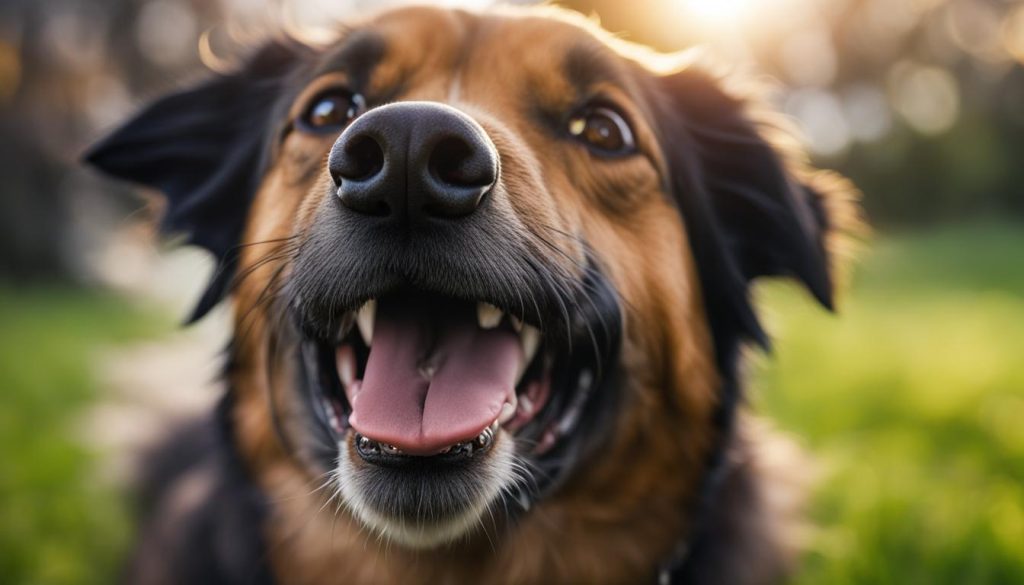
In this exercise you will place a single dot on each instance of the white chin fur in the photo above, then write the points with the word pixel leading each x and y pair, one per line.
pixel 497 474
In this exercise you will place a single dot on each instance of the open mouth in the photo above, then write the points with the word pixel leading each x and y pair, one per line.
pixel 417 373
pixel 452 400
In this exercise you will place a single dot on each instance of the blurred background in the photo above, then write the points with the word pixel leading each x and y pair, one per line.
pixel 911 401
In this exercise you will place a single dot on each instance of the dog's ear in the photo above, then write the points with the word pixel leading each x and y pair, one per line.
pixel 203 148
pixel 749 207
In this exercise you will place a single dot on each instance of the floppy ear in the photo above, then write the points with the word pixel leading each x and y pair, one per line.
pixel 204 148
pixel 749 207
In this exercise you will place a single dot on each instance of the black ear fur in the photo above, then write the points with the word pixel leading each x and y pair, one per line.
pixel 746 213
pixel 204 148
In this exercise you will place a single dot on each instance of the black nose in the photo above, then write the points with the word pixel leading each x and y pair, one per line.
pixel 413 161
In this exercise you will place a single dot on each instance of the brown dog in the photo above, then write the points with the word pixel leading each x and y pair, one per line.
pixel 491 275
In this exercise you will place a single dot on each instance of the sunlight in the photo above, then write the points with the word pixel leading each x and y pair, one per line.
pixel 717 13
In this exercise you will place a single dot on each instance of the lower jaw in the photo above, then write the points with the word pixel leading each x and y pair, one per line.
pixel 549 438
pixel 491 480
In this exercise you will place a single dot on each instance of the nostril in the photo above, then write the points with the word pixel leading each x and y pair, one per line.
pixel 362 158
pixel 410 162
pixel 356 165
pixel 455 162
pixel 367 158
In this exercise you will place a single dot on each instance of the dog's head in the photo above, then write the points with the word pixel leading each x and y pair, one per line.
pixel 479 258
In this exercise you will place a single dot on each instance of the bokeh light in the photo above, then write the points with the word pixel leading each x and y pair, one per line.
pixel 166 32
pixel 926 96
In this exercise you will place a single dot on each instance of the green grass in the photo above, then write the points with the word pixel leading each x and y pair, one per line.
pixel 912 400
pixel 59 524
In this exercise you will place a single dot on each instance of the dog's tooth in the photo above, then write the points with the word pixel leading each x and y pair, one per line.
pixel 367 444
pixel 346 359
pixel 487 315
pixel 364 319
pixel 517 324
pixel 485 439
pixel 529 338
pixel 525 405
pixel 332 417
pixel 508 410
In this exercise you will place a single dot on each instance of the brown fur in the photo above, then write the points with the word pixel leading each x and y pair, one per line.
pixel 625 512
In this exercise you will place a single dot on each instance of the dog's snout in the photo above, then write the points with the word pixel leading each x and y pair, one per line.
pixel 414 161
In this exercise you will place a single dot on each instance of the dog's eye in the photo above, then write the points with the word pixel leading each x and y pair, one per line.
pixel 603 129
pixel 332 110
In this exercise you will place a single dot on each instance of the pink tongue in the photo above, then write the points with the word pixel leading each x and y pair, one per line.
pixel 474 375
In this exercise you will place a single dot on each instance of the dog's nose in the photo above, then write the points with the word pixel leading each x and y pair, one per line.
pixel 413 161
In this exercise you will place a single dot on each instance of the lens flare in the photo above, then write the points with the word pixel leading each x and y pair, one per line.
pixel 716 12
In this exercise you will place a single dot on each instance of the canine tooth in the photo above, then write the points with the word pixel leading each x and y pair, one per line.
pixel 365 318
pixel 529 338
pixel 346 365
pixel 517 324
pixel 487 315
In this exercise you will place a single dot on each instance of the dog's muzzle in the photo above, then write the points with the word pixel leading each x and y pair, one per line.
pixel 428 389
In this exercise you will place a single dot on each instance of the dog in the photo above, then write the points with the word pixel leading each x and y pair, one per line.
pixel 491 276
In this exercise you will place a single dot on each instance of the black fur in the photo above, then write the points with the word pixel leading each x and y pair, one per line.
pixel 204 514
pixel 593 360
pixel 203 148
pixel 745 217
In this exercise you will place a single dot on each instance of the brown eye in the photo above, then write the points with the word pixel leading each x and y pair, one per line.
pixel 332 110
pixel 603 129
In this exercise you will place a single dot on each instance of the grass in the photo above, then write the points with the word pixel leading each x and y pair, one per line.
pixel 912 400
pixel 58 523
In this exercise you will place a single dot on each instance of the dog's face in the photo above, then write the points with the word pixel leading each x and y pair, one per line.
pixel 481 262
